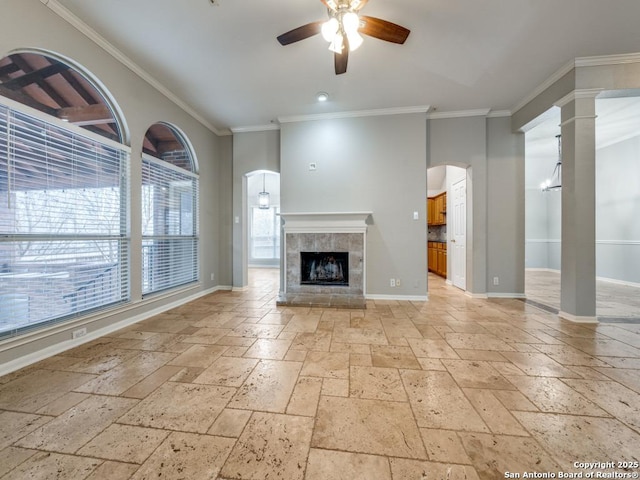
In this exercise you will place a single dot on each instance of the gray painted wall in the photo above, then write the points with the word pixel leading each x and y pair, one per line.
pixel 30 24
pixel 375 164
pixel 251 151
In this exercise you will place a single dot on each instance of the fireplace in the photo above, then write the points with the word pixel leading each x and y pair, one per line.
pixel 324 268
pixel 324 259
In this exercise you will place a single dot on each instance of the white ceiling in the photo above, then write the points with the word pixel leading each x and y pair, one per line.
pixel 225 63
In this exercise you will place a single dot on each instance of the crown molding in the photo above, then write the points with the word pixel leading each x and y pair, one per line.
pixel 596 61
pixel 482 112
pixel 102 42
pixel 256 128
pixel 577 95
pixel 499 113
pixel 358 113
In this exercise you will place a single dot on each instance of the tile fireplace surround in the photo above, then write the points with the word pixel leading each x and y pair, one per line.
pixel 324 232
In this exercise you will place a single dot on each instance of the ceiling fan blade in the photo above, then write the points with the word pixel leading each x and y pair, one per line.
pixel 378 28
pixel 340 60
pixel 300 33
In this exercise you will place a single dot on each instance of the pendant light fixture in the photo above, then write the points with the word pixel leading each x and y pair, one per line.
pixel 263 196
pixel 555 182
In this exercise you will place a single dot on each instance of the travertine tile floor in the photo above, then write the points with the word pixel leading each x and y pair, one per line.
pixel 612 300
pixel 232 387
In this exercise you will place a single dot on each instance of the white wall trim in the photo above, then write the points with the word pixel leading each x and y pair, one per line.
pixel 578 94
pixel 240 289
pixel 60 347
pixel 505 295
pixel 108 47
pixel 481 112
pixel 401 298
pixel 479 296
pixel 256 128
pixel 598 242
pixel 618 282
pixel 577 318
pixel 555 76
pixel 597 61
pixel 535 269
pixel 352 114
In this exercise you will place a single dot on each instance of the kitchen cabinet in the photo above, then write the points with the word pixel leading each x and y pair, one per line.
pixel 437 258
pixel 437 209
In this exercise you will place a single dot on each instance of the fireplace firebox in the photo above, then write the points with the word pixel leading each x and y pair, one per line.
pixel 324 268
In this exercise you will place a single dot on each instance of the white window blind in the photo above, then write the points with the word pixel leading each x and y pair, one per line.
pixel 169 225
pixel 63 221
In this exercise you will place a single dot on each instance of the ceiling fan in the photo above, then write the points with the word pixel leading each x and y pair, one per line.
pixel 343 30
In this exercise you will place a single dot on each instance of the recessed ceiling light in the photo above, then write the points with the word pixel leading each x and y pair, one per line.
pixel 322 96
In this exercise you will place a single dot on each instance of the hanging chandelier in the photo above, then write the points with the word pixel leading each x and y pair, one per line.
pixel 343 26
pixel 555 182
pixel 263 196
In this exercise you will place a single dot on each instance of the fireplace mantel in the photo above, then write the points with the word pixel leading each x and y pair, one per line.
pixel 343 232
pixel 325 222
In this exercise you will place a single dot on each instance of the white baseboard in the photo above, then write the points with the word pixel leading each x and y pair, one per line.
pixel 577 318
pixel 618 282
pixel 406 298
pixel 240 289
pixel 480 296
pixel 505 295
pixel 63 346
pixel 536 269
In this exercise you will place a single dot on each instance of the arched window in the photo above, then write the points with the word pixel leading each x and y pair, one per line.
pixel 63 195
pixel 169 210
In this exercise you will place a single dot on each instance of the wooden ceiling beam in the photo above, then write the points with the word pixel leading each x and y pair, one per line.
pixel 168 146
pixel 28 70
pixel 26 100
pixel 7 69
pixel 77 86
pixel 86 115
pixel 35 76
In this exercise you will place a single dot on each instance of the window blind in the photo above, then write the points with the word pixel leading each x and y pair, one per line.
pixel 64 248
pixel 169 226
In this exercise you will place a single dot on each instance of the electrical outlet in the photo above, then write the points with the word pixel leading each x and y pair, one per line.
pixel 81 332
pixel 397 282
pixel 496 280
pixel 213 275
pixel 392 282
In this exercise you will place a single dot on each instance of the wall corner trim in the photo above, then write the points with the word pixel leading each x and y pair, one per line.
pixel 577 318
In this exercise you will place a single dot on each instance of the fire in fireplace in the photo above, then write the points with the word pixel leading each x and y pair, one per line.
pixel 324 268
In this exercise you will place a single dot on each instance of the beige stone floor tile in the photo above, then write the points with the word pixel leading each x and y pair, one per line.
pixel 376 383
pixel 494 414
pixel 510 333
pixel 493 455
pixel 366 336
pixel 570 437
pixel 335 387
pixel 622 362
pixel 46 466
pixel 31 392
pixel 444 446
pixel 326 364
pixel 589 373
pixel 198 356
pixel 235 351
pixel 296 355
pixel 304 400
pixel 186 456
pixel 187 375
pixel 14 425
pixel 71 430
pixel 367 426
pixel 514 400
pixel 206 336
pixel 403 328
pixel 303 323
pixel 230 423
pixel 402 469
pixel 627 377
pixel 126 375
pixel 124 443
pixel 477 341
pixel 256 331
pixel 102 363
pixel 393 356
pixel 164 342
pixel 271 446
pixel 227 371
pixel 153 381
pixel 476 374
pixel 431 364
pixel 356 359
pixel 566 355
pixel 276 318
pixel 539 364
pixel 236 341
pixel 603 347
pixel 320 341
pixel 430 348
pixel 180 406
pixel 333 465
pixel 11 457
pixel 113 471
pixel 480 355
pixel 506 368
pixel 267 348
pixel 552 395
pixel 268 388
pixel 361 349
pixel 63 403
pixel 616 399
pixel 438 402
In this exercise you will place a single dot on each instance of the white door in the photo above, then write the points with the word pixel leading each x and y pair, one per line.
pixel 459 237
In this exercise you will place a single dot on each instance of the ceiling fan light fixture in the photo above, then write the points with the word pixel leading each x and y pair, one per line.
pixel 355 40
pixel 337 44
pixel 329 29
pixel 351 23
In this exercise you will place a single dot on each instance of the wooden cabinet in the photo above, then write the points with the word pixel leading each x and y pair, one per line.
pixel 437 209
pixel 437 258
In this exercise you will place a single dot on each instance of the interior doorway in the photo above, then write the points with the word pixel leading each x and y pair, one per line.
pixel 263 219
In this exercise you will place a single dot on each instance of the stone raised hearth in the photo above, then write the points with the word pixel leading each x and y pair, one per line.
pixel 324 232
